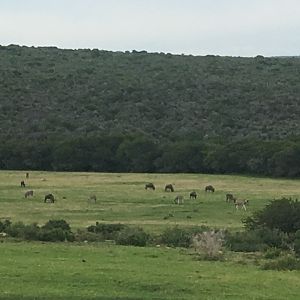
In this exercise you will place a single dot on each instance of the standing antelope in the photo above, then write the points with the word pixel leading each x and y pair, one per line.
pixel 241 204
pixel 179 199
pixel 230 197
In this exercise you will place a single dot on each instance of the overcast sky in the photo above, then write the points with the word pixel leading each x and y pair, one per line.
pixel 220 27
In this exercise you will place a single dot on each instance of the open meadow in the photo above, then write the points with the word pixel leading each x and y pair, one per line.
pixel 39 270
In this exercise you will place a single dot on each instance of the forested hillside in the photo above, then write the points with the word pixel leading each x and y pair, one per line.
pixel 46 91
pixel 57 105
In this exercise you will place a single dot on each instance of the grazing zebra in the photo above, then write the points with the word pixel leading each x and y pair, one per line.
pixel 241 204
pixel 179 199
pixel 149 186
pixel 209 188
pixel 193 195
pixel 169 188
pixel 28 194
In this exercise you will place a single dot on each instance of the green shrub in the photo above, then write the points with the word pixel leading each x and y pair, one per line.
pixel 132 236
pixel 180 237
pixel 4 225
pixel 83 235
pixel 107 231
pixel 272 253
pixel 62 224
pixel 256 240
pixel 284 263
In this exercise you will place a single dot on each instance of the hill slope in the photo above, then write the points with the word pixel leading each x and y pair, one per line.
pixel 48 91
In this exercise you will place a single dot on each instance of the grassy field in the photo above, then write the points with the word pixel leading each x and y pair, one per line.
pixel 35 270
pixel 122 198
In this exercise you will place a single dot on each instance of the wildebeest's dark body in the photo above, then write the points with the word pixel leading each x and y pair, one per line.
pixel 49 197
pixel 169 188
pixel 150 185
pixel 209 188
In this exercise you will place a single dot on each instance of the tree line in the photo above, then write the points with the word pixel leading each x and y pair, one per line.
pixel 139 153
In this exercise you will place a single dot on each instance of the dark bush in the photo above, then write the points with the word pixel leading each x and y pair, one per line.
pixel 83 235
pixel 62 224
pixel 4 225
pixel 256 240
pixel 284 263
pixel 297 243
pixel 107 231
pixel 272 253
pixel 282 214
pixel 133 237
pixel 180 237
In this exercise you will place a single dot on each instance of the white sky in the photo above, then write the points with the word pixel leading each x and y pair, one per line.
pixel 220 27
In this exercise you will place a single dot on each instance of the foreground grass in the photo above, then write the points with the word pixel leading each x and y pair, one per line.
pixel 68 271
pixel 122 198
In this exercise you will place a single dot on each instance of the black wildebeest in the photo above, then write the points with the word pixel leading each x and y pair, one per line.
pixel 230 197
pixel 179 199
pixel 49 198
pixel 193 195
pixel 28 194
pixel 27 175
pixel 23 183
pixel 150 185
pixel 169 188
pixel 209 188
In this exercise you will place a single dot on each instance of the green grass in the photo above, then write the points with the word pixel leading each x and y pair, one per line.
pixel 32 270
pixel 56 271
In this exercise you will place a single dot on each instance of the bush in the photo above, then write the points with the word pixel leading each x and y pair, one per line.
pixel 132 236
pixel 285 263
pixel 180 237
pixel 83 235
pixel 107 231
pixel 61 224
pixel 297 243
pixel 282 214
pixel 256 240
pixel 272 253
pixel 4 225
pixel 209 244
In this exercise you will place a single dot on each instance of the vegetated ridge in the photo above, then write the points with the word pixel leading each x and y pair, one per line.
pixel 47 91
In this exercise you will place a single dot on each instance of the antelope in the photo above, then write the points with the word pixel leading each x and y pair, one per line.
pixel 179 199
pixel 193 195
pixel 28 194
pixel 150 185
pixel 230 197
pixel 241 204
pixel 209 188
pixel 169 188
pixel 93 198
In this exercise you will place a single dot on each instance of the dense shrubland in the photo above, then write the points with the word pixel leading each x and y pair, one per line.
pixel 93 110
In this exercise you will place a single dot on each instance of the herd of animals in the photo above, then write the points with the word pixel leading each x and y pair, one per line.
pixel 179 199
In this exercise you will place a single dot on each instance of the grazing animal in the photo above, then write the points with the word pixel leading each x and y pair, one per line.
pixel 230 197
pixel 241 204
pixel 49 198
pixel 27 175
pixel 169 188
pixel 179 199
pixel 193 195
pixel 23 183
pixel 149 186
pixel 28 194
pixel 209 188
pixel 93 198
